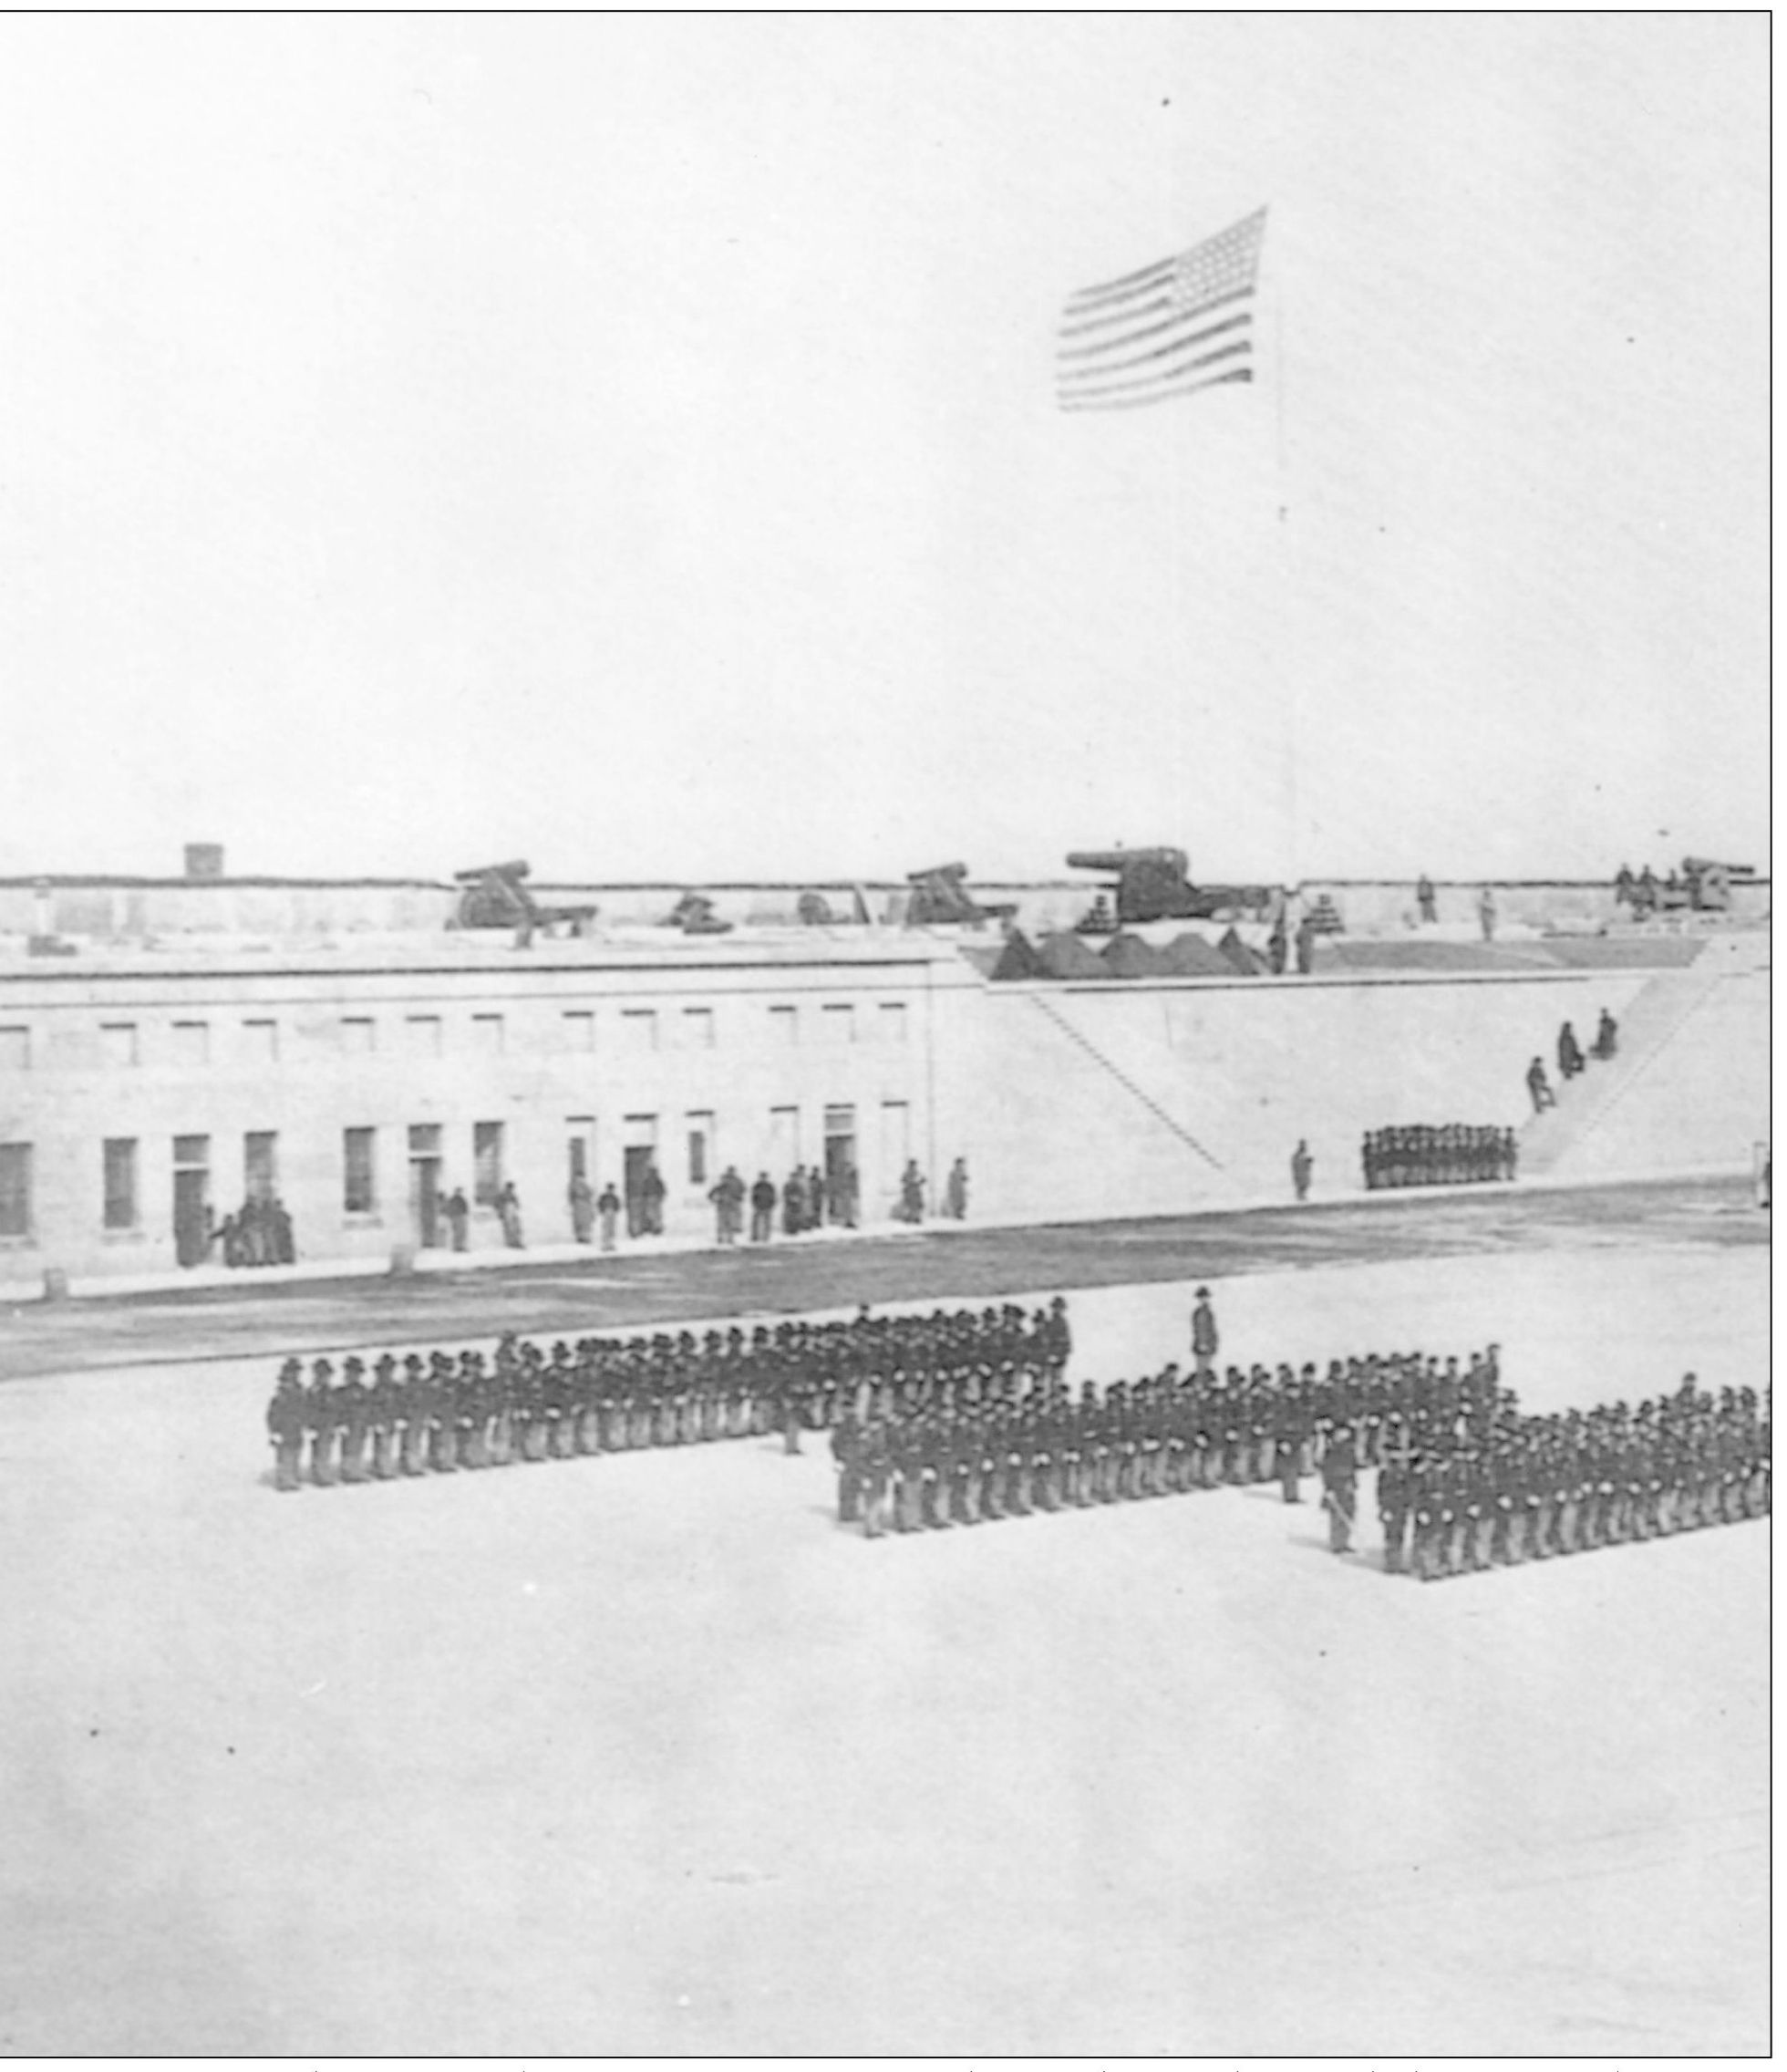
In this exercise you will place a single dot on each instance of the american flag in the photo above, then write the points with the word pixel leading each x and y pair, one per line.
pixel 1181 325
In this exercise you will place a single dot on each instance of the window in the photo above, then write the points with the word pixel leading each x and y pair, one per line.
pixel 359 1192
pixel 698 1028
pixel 14 1190
pixel 192 1043
pixel 422 1035
pixel 784 1025
pixel 120 1039
pixel 15 1049
pixel 486 1163
pixel 580 1143
pixel 892 1019
pixel 192 1151
pixel 700 1147
pixel 487 1035
pixel 120 1160
pixel 784 1139
pixel 425 1139
pixel 579 1026
pixel 260 1042
pixel 639 1028
pixel 359 1034
pixel 895 1140
pixel 839 1023
pixel 260 1164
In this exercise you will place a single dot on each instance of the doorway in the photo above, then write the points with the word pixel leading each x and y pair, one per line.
pixel 191 1199
pixel 639 1157
pixel 424 1184
pixel 842 1181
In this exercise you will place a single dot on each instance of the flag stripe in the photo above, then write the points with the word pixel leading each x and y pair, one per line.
pixel 1148 309
pixel 1106 364
pixel 1162 395
pixel 1159 377
pixel 1127 284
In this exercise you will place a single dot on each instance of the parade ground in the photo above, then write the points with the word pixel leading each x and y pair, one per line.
pixel 644 1753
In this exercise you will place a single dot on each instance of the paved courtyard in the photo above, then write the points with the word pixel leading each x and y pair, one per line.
pixel 645 1287
pixel 645 1754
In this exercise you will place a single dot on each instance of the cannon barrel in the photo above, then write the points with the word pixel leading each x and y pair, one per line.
pixel 937 870
pixel 512 870
pixel 1124 859
pixel 1709 864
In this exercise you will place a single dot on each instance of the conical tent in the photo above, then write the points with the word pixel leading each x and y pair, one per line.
pixel 1192 955
pixel 1018 959
pixel 1248 962
pixel 1066 955
pixel 1128 957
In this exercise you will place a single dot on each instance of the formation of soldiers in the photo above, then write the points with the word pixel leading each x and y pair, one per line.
pixel 1492 1487
pixel 441 1412
pixel 1022 1441
pixel 1423 1155
pixel 961 1417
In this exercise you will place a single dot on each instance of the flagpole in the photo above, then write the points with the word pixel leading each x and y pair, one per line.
pixel 1280 384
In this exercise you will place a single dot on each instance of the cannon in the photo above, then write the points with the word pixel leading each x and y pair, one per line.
pixel 940 896
pixel 694 915
pixel 495 895
pixel 1709 884
pixel 1153 884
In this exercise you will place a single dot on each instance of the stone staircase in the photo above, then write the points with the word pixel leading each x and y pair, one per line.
pixel 1047 1006
pixel 1655 1021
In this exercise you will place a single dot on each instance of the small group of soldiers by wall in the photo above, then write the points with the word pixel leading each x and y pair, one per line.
pixel 1495 1487
pixel 807 1200
pixel 443 1412
pixel 260 1233
pixel 591 1213
pixel 810 1198
pixel 1425 1154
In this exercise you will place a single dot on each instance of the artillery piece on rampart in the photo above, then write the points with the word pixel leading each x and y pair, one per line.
pixel 940 898
pixel 495 895
pixel 1153 885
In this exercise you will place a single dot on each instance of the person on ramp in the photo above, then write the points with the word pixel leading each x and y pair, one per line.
pixel 1339 1473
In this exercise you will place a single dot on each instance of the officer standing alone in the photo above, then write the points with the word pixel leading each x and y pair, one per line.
pixel 1205 1340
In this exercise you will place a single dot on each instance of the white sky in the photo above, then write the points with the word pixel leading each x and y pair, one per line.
pixel 630 443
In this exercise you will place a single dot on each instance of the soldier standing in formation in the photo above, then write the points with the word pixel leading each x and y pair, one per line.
pixel 286 1425
pixel 1339 1473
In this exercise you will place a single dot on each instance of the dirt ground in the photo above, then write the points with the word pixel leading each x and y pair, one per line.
pixel 645 1754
